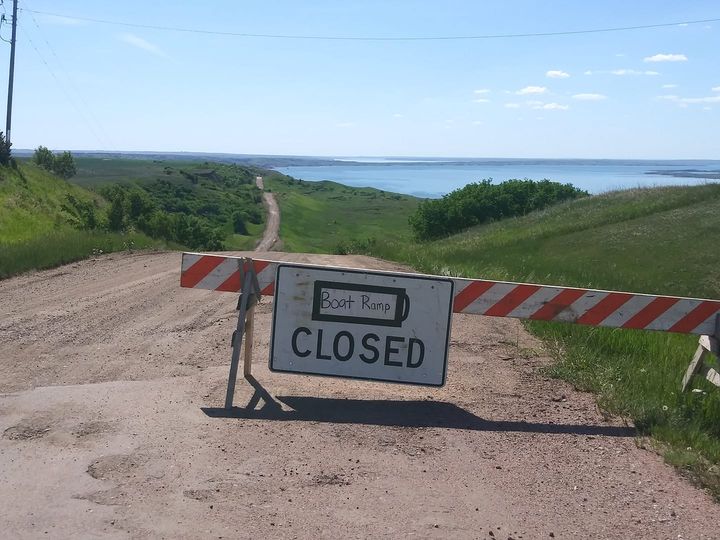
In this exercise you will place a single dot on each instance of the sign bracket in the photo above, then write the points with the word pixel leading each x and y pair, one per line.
pixel 249 297
pixel 708 345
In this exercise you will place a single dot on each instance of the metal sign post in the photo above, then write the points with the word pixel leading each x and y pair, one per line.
pixel 249 296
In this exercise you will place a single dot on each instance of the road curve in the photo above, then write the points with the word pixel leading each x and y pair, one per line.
pixel 272 225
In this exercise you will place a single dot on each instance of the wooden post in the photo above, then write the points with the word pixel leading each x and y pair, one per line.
pixel 249 296
pixel 249 327
pixel 708 345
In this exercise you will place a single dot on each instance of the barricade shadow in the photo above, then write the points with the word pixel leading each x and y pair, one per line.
pixel 397 413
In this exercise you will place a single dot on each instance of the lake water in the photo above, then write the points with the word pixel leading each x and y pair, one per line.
pixel 434 178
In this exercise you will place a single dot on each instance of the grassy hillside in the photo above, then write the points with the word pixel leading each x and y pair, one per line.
pixel 32 202
pixel 37 224
pixel 326 217
pixel 642 240
pixel 211 195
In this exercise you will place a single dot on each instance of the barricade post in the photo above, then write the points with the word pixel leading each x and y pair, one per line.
pixel 249 296
pixel 707 346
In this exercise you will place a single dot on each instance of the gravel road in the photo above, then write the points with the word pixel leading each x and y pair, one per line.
pixel 112 380
pixel 272 216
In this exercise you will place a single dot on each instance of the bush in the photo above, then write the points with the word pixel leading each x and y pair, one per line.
pixel 484 201
pixel 63 165
pixel 44 158
pixel 4 150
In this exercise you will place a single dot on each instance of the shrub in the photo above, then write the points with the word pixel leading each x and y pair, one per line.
pixel 481 202
pixel 4 150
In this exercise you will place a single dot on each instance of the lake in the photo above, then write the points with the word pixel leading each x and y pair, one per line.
pixel 434 178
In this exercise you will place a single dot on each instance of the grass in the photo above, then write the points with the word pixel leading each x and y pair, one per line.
pixel 326 217
pixel 65 246
pixel 32 202
pixel 36 229
pixel 641 240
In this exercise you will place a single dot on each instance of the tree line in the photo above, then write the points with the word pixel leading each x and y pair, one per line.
pixel 483 202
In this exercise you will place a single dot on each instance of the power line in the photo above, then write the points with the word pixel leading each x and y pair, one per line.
pixel 371 38
pixel 73 87
pixel 60 85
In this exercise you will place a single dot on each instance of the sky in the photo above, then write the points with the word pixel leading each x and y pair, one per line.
pixel 650 93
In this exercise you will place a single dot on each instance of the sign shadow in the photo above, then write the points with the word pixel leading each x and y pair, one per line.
pixel 396 413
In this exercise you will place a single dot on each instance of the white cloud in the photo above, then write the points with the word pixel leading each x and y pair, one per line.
pixel 557 74
pixel 706 99
pixel 588 72
pixel 477 122
pixel 531 90
pixel 512 105
pixel 60 20
pixel 589 97
pixel 669 85
pixel 632 72
pixel 620 55
pixel 666 58
pixel 480 91
pixel 554 107
pixel 140 43
pixel 534 103
pixel 397 115
pixel 685 101
pixel 716 88
pixel 345 124
pixel 481 100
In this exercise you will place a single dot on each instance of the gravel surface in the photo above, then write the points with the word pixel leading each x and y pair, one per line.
pixel 113 379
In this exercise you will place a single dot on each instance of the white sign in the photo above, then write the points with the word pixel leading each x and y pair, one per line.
pixel 361 324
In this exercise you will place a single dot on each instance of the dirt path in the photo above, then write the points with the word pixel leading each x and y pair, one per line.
pixel 112 378
pixel 272 226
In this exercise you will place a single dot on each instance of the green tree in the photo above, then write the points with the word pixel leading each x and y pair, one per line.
pixel 4 150
pixel 44 158
pixel 64 165
pixel 116 213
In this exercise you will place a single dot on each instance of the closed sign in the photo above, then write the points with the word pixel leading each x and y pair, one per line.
pixel 361 324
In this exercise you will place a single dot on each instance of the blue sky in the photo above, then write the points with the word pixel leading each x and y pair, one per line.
pixel 650 93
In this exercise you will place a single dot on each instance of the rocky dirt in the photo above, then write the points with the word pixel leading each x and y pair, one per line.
pixel 113 379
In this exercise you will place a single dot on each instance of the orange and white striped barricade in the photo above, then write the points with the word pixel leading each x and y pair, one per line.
pixel 592 307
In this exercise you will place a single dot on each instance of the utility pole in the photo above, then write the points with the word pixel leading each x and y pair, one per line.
pixel 12 72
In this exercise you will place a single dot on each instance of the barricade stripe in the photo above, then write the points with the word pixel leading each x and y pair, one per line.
pixel 269 290
pixel 198 271
pixel 649 313
pixel 541 297
pixel 693 319
pixel 503 299
pixel 673 315
pixel 555 306
pixel 231 284
pixel 587 301
pixel 627 311
pixel 218 275
pixel 603 309
pixel 469 294
pixel 512 300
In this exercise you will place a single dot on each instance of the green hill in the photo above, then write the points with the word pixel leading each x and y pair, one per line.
pixel 327 217
pixel 34 202
pixel 655 240
pixel 41 220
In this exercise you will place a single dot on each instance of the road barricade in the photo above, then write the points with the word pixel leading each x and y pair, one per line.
pixel 612 309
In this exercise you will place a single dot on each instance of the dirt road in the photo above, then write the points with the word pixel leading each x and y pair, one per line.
pixel 112 379
pixel 271 234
